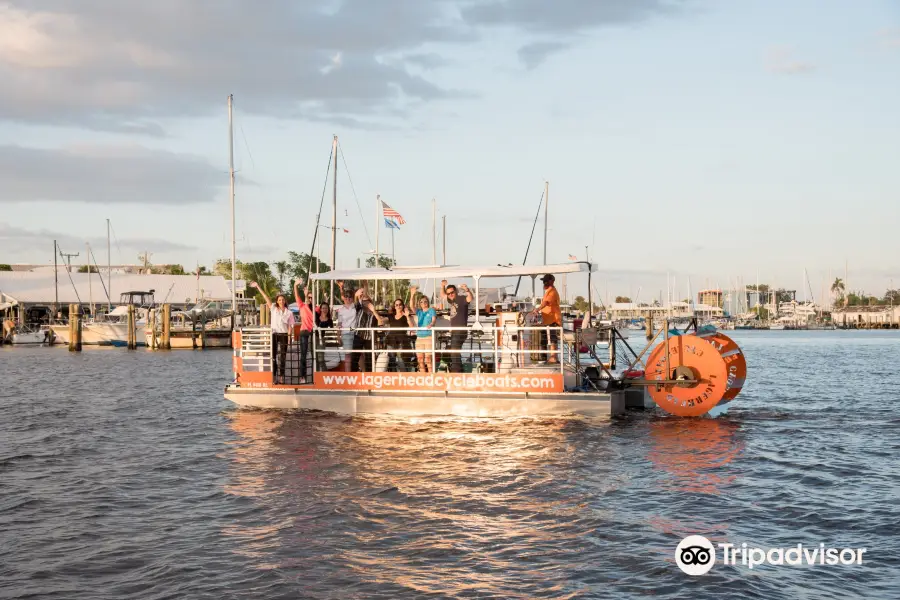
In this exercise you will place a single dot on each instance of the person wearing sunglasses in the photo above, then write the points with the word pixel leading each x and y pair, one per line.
pixel 425 318
pixel 459 317
pixel 366 317
pixel 398 320
pixel 307 318
pixel 345 318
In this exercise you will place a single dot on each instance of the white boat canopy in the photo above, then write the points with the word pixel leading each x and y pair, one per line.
pixel 455 272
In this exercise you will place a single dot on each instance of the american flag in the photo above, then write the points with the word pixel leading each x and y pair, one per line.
pixel 390 213
pixel 346 230
pixel 573 257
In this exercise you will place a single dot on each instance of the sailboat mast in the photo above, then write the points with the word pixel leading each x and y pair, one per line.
pixel 546 205
pixel 108 271
pixel 55 283
pixel 231 181
pixel 87 247
pixel 334 151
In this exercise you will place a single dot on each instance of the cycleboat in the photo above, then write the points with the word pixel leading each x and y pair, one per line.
pixel 499 364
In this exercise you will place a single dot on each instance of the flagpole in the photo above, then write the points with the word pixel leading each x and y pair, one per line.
pixel 377 232
pixel 393 260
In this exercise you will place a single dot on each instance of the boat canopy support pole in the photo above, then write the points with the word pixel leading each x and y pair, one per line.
pixel 477 324
pixel 587 319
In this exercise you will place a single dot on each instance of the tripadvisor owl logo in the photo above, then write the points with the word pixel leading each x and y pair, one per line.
pixel 695 555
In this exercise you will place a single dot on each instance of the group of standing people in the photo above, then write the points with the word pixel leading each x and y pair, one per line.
pixel 357 315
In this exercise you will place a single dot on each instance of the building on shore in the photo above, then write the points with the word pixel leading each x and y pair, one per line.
pixel 866 316
pixel 712 297
pixel 676 310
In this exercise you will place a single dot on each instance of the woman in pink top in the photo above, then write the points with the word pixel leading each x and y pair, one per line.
pixel 306 325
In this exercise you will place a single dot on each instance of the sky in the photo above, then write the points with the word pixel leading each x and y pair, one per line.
pixel 702 142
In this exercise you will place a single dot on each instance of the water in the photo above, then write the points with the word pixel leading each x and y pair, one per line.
pixel 126 475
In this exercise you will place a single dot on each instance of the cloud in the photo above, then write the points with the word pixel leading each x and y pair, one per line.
pixel 128 66
pixel 123 66
pixel 563 19
pixel 106 175
pixel 19 241
pixel 535 53
pixel 426 60
pixel 781 60
pixel 566 16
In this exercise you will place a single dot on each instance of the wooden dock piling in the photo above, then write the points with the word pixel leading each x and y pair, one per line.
pixel 166 326
pixel 74 328
pixel 151 324
pixel 203 333
pixel 132 340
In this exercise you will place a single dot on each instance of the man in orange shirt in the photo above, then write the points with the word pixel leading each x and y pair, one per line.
pixel 551 316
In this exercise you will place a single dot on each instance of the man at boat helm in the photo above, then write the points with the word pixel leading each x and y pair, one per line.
pixel 551 316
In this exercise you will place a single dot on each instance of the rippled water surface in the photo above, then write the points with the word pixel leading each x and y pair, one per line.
pixel 126 475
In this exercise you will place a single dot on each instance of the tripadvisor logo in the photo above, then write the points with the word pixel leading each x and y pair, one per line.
pixel 696 555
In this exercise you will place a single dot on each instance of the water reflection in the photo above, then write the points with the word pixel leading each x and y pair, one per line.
pixel 694 452
pixel 422 506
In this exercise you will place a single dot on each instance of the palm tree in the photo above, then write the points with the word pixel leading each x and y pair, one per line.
pixel 281 267
pixel 837 288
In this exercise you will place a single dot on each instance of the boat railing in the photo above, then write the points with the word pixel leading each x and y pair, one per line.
pixel 256 349
pixel 483 346
pixel 459 349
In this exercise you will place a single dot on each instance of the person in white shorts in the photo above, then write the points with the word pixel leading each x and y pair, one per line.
pixel 425 318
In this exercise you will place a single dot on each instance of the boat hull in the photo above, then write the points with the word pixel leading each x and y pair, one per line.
pixel 463 404
pixel 99 334
pixel 30 337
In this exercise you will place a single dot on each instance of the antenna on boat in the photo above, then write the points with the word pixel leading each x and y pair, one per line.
pixel 530 238
pixel 546 205
pixel 231 178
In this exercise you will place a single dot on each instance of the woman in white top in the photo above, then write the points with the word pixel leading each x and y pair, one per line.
pixel 345 319
pixel 282 321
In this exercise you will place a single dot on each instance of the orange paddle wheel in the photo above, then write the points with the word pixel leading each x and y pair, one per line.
pixel 697 373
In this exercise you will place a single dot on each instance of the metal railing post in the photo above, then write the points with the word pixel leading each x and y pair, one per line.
pixel 559 348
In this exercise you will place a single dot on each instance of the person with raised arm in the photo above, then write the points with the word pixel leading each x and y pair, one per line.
pixel 400 319
pixel 304 305
pixel 366 315
pixel 345 318
pixel 425 318
pixel 459 318
pixel 282 320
